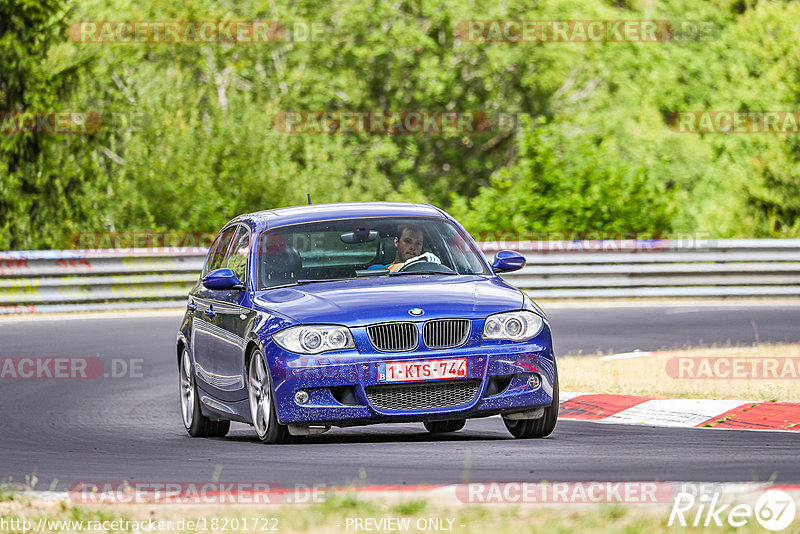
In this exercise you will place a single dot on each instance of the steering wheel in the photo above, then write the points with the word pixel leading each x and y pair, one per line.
pixel 422 265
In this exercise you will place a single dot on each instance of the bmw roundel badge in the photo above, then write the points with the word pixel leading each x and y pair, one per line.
pixel 416 312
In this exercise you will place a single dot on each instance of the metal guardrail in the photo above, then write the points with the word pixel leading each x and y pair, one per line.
pixel 71 280
pixel 74 280
pixel 660 268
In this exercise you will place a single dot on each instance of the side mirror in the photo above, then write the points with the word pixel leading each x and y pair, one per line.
pixel 222 279
pixel 506 261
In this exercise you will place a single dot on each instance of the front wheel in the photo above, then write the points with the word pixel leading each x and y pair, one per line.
pixel 262 404
pixel 196 424
pixel 440 427
pixel 537 428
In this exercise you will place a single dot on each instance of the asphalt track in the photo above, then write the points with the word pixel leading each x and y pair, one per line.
pixel 110 430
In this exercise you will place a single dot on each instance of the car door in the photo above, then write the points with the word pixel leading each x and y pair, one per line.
pixel 233 319
pixel 210 341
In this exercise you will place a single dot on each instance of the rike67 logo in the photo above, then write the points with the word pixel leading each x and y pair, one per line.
pixel 774 510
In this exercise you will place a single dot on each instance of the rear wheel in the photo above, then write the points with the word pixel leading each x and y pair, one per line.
pixel 537 428
pixel 196 424
pixel 262 404
pixel 438 427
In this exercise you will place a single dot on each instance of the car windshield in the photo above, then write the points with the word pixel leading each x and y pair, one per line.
pixel 349 248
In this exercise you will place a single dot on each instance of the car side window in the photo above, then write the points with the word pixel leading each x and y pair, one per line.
pixel 239 253
pixel 217 258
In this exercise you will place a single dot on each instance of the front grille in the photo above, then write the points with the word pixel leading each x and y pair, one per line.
pixel 393 337
pixel 445 333
pixel 422 396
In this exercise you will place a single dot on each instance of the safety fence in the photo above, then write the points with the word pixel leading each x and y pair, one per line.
pixel 74 280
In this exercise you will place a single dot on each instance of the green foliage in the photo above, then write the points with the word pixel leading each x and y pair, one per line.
pixel 49 184
pixel 412 507
pixel 189 140
pixel 569 183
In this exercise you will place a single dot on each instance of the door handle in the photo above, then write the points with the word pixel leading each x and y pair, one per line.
pixel 210 311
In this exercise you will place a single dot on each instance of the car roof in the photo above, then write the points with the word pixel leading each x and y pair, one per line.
pixel 319 212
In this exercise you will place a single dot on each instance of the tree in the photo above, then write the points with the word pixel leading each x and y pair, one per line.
pixel 48 182
pixel 568 183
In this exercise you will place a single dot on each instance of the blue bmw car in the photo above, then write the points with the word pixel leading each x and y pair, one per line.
pixel 317 316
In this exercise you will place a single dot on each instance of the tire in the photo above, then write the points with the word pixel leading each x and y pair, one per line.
pixel 262 403
pixel 195 423
pixel 537 428
pixel 439 427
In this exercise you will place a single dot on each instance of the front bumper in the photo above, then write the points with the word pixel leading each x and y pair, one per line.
pixel 337 383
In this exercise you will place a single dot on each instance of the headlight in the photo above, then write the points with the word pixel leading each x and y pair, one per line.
pixel 516 325
pixel 314 339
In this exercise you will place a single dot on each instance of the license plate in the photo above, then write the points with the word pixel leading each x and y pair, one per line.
pixel 422 370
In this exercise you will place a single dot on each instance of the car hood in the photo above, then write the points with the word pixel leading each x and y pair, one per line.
pixel 364 301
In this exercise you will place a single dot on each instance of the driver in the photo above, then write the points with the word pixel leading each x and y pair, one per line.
pixel 408 245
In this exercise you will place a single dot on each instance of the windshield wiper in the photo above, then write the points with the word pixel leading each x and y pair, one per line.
pixel 301 282
pixel 398 273
pixel 316 281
